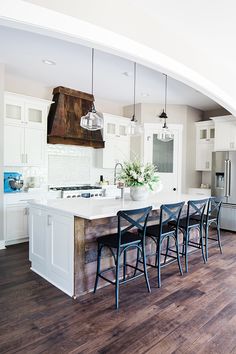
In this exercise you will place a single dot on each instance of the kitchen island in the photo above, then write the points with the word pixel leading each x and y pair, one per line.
pixel 63 232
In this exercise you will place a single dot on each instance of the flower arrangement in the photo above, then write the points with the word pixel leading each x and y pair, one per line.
pixel 135 174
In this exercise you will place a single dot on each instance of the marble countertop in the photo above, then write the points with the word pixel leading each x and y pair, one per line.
pixel 97 208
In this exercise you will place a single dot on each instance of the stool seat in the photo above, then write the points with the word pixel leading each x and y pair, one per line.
pixel 127 238
pixel 210 218
pixel 154 230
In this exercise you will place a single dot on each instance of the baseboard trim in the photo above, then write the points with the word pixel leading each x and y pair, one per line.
pixel 16 242
pixel 2 245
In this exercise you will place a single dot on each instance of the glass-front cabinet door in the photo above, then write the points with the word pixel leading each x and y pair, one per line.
pixel 14 112
pixel 166 156
pixel 35 115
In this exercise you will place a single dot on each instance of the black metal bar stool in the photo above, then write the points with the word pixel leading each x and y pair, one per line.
pixel 193 220
pixel 212 217
pixel 168 213
pixel 121 242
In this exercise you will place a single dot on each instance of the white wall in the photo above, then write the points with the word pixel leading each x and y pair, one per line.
pixel 68 165
pixel 28 87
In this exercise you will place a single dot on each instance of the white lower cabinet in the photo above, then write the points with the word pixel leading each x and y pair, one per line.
pixel 52 247
pixel 16 223
pixel 228 217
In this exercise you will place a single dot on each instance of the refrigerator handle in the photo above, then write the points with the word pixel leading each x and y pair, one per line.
pixel 227 178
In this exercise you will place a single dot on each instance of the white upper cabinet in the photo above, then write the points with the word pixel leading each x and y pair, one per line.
pixel 225 133
pixel 205 132
pixel 205 137
pixel 117 142
pixel 26 125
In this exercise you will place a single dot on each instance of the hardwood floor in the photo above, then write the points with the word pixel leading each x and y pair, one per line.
pixel 195 313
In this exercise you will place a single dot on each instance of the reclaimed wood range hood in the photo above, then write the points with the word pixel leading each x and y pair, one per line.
pixel 64 119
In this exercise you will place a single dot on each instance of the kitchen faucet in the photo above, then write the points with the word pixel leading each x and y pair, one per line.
pixel 115 171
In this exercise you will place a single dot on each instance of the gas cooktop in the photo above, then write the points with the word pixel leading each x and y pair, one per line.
pixel 74 188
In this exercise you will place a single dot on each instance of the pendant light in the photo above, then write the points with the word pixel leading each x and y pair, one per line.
pixel 93 120
pixel 164 133
pixel 134 128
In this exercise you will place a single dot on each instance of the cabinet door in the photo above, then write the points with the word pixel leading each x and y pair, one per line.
pixel 60 233
pixel 108 154
pixel 38 245
pixel 14 111
pixel 16 222
pixel 122 150
pixel 204 156
pixel 35 143
pixel 225 136
pixel 13 145
pixel 35 115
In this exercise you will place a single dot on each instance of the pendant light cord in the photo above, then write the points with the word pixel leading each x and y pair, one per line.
pixel 134 106
pixel 92 67
pixel 165 126
pixel 165 92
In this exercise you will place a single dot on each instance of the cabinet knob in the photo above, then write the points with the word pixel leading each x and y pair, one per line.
pixel 174 189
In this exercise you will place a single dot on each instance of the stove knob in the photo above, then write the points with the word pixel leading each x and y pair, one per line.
pixel 73 196
pixel 68 196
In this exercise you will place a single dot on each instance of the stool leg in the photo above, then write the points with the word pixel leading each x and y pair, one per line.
pixel 98 267
pixel 117 278
pixel 186 236
pixel 218 237
pixel 137 261
pixel 167 249
pixel 177 251
pixel 159 263
pixel 124 265
pixel 156 258
pixel 206 240
pixel 202 244
pixel 145 266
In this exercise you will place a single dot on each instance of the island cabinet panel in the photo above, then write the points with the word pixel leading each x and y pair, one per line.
pixel 52 247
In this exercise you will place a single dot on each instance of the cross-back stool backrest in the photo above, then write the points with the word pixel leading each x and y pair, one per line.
pixel 213 208
pixel 196 208
pixel 170 212
pixel 135 219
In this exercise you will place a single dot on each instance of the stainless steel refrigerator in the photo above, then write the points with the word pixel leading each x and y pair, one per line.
pixel 223 186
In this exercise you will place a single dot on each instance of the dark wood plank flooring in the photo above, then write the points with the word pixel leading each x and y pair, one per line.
pixel 195 313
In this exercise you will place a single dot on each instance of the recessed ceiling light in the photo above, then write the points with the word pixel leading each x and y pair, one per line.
pixel 145 94
pixel 48 62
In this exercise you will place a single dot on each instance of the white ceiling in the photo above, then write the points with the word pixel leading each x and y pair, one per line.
pixel 23 52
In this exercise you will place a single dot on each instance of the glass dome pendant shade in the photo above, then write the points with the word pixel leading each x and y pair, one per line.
pixel 164 134
pixel 93 120
pixel 134 128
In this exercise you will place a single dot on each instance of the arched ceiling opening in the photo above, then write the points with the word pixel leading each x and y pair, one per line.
pixel 162 35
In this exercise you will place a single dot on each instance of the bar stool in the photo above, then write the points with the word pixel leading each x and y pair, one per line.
pixel 168 213
pixel 212 217
pixel 120 242
pixel 193 220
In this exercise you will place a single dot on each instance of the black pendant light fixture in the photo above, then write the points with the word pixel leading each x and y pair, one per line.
pixel 165 134
pixel 93 120
pixel 134 128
